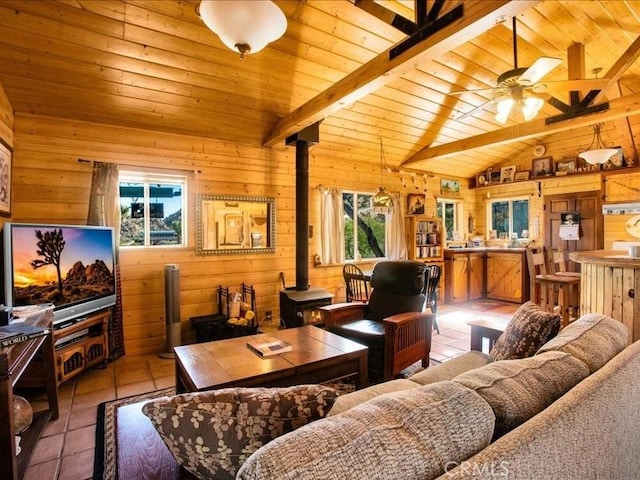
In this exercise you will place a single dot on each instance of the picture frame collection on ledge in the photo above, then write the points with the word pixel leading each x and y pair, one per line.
pixel 545 167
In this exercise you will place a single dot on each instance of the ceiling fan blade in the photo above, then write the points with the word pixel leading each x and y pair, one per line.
pixel 539 69
pixel 479 90
pixel 580 85
pixel 480 107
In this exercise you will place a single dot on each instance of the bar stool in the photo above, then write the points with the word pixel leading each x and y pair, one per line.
pixel 550 291
pixel 558 262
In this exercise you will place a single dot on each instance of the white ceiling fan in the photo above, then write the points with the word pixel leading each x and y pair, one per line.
pixel 516 87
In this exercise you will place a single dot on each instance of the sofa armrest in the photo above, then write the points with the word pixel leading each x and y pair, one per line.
pixel 407 339
pixel 339 313
pixel 489 328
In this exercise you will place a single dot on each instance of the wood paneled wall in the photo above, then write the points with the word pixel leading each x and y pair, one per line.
pixel 51 186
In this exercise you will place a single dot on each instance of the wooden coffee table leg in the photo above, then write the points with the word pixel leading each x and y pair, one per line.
pixel 363 379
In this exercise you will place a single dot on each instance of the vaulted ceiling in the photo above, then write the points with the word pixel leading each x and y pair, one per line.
pixel 153 64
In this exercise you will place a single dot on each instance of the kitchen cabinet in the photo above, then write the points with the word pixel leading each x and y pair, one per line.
pixel 464 274
pixel 507 276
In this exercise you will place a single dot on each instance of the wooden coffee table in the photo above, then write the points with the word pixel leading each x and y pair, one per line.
pixel 317 356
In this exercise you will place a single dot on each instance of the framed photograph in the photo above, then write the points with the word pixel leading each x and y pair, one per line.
pixel 523 175
pixel 542 167
pixel 5 179
pixel 481 179
pixel 566 166
pixel 449 187
pixel 507 174
pixel 415 203
pixel 494 176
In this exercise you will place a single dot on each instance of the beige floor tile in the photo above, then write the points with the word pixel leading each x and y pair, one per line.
pixel 43 471
pixel 135 388
pixel 95 380
pixel 56 426
pixel 82 417
pixel 93 398
pixel 77 467
pixel 133 376
pixel 78 440
pixel 165 382
pixel 48 448
pixel 159 370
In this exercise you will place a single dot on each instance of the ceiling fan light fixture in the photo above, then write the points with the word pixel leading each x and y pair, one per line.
pixel 504 107
pixel 531 106
pixel 597 152
pixel 246 26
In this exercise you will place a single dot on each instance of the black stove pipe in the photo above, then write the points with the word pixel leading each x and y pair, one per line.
pixel 302 215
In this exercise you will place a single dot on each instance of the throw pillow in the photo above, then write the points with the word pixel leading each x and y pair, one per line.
pixel 212 433
pixel 528 330
pixel 519 389
pixel 593 338
pixel 416 433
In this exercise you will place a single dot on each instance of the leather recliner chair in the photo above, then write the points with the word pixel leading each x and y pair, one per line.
pixel 392 324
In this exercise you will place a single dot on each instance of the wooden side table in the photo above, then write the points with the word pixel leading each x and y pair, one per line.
pixel 14 360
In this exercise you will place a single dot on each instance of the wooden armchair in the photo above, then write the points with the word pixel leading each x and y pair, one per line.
pixel 392 324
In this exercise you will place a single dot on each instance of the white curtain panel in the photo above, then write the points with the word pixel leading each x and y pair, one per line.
pixel 332 227
pixel 396 239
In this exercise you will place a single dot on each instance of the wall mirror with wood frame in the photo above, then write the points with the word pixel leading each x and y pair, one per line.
pixel 235 224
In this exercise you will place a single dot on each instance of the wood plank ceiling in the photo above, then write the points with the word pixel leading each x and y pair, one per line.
pixel 153 64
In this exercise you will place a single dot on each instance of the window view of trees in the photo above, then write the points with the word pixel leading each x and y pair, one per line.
pixel 509 216
pixel 364 231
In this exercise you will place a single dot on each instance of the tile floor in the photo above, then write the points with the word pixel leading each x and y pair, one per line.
pixel 66 449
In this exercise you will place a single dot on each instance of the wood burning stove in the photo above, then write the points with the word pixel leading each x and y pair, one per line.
pixel 301 307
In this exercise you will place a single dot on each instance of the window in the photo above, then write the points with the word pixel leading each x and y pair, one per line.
pixel 448 211
pixel 364 231
pixel 152 208
pixel 508 216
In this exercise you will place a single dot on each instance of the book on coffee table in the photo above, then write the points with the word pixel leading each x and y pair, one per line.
pixel 269 346
pixel 19 332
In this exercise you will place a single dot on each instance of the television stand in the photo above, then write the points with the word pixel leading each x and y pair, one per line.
pixel 82 344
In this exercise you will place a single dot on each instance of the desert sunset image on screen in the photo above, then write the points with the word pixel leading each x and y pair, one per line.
pixel 61 265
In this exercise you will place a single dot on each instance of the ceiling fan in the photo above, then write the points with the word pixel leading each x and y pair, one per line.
pixel 516 87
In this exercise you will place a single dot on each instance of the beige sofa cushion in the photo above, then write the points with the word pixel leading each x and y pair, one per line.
pixel 345 402
pixel 593 338
pixel 529 329
pixel 451 368
pixel 519 389
pixel 212 433
pixel 408 434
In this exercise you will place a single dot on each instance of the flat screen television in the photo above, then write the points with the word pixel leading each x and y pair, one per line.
pixel 70 266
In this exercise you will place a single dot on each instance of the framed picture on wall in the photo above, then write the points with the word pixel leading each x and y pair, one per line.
pixel 449 187
pixel 5 179
pixel 507 174
pixel 415 203
pixel 523 175
pixel 542 167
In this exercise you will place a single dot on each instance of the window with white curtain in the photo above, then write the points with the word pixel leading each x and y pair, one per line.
pixel 364 231
pixel 152 207
pixel 508 215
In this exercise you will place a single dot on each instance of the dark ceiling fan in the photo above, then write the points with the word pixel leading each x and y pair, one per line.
pixel 516 87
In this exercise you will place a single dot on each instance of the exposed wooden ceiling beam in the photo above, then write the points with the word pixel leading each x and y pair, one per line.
pixel 629 56
pixel 479 16
pixel 618 108
pixel 405 25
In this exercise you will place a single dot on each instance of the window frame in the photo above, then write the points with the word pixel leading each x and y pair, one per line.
pixel 147 178
pixel 510 200
pixel 458 206
pixel 357 255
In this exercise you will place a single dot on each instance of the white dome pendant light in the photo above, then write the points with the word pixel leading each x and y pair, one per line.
pixel 246 26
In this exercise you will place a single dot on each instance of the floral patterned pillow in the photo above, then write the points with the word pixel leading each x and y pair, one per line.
pixel 211 434
pixel 529 329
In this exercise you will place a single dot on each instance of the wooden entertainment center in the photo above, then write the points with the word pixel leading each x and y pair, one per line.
pixel 82 344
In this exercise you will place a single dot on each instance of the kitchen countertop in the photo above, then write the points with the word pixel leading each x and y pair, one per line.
pixel 611 258
pixel 485 249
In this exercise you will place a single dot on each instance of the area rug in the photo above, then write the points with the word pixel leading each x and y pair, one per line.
pixel 105 458
pixel 106 450
pixel 484 305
